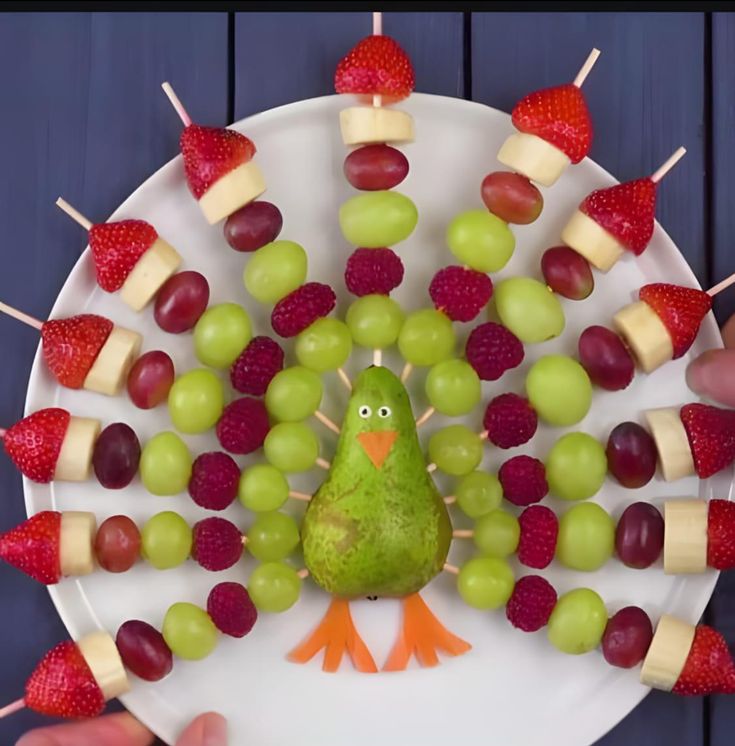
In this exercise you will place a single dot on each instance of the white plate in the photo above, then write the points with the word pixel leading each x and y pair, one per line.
pixel 480 697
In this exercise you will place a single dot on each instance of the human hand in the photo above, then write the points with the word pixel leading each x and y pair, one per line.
pixel 712 374
pixel 122 729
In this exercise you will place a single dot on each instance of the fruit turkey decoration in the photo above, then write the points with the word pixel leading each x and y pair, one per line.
pixel 378 526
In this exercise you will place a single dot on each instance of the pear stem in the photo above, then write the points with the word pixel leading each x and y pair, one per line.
pixel 463 533
pixel 377 31
pixel 344 378
pixel 431 468
pixel 24 317
pixel 327 422
pixel 584 71
pixel 406 372
pixel 74 214
pixel 303 573
pixel 720 286
pixel 19 704
pixel 668 164
pixel 323 464
pixel 299 495
pixel 176 103
pixel 452 569
pixel 378 358
pixel 425 416
pixel 450 499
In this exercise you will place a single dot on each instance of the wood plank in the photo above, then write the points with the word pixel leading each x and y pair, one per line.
pixel 315 42
pixel 83 116
pixel 646 94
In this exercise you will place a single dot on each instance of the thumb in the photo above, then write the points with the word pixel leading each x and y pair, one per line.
pixel 209 729
pixel 712 374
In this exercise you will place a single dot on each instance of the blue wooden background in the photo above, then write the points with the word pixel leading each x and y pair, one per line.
pixel 82 115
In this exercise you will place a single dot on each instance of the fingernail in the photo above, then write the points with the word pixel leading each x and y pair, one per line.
pixel 696 376
pixel 215 730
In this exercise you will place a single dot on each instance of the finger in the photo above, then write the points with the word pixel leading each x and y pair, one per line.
pixel 120 729
pixel 728 332
pixel 713 375
pixel 209 729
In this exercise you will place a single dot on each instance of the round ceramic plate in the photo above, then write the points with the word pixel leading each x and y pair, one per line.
pixel 507 674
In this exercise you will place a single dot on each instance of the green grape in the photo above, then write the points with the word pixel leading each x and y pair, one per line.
pixel 378 219
pixel 196 401
pixel 559 389
pixel 576 466
pixel 577 622
pixel 291 446
pixel 478 493
pixel 165 464
pixel 274 587
pixel 374 321
pixel 263 488
pixel 293 394
pixel 325 345
pixel 497 533
pixel 221 334
pixel 480 240
pixel 455 449
pixel 273 536
pixel 586 537
pixel 485 582
pixel 274 271
pixel 189 631
pixel 453 387
pixel 426 337
pixel 166 540
pixel 529 309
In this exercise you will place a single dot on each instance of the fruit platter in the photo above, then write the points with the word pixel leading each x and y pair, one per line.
pixel 378 438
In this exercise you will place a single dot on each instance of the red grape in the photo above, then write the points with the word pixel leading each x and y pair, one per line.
pixel 143 650
pixel 627 637
pixel 605 358
pixel 631 455
pixel 181 301
pixel 117 544
pixel 150 379
pixel 116 455
pixel 253 226
pixel 639 536
pixel 374 167
pixel 567 273
pixel 512 197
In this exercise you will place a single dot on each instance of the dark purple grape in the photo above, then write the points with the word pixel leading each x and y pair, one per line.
pixel 374 167
pixel 143 650
pixel 181 301
pixel 631 455
pixel 150 379
pixel 627 637
pixel 117 544
pixel 605 358
pixel 512 197
pixel 567 273
pixel 639 535
pixel 253 226
pixel 116 456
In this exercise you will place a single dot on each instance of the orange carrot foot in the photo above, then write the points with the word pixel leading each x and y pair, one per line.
pixel 422 635
pixel 336 634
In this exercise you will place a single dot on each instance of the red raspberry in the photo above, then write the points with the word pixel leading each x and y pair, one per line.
pixel 231 609
pixel 214 481
pixel 301 308
pixel 524 480
pixel 371 271
pixel 243 425
pixel 217 544
pixel 510 421
pixel 492 349
pixel 255 367
pixel 531 603
pixel 460 293
pixel 539 529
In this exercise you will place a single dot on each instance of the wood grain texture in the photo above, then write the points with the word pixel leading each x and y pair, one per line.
pixel 83 116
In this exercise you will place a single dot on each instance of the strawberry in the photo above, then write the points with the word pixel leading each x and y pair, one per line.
pixel 681 309
pixel 116 248
pixel 626 211
pixel 34 442
pixel 210 153
pixel 711 434
pixel 62 685
pixel 721 534
pixel 70 346
pixel 33 547
pixel 709 668
pixel 558 115
pixel 377 64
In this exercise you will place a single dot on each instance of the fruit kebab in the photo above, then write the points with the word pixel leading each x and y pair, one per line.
pixel 85 351
pixel 128 256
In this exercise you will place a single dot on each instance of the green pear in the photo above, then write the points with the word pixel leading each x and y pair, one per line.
pixel 377 526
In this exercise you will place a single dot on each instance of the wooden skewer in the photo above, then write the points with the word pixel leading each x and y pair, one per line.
pixel 299 495
pixel 244 539
pixel 431 468
pixel 344 378
pixel 425 416
pixel 74 214
pixel 327 422
pixel 377 358
pixel 406 372
pixel 377 31
pixel 450 500
pixel 323 463
pixel 463 533
pixel 483 435
pixel 303 573
pixel 452 569
pixel 2 432
pixel 19 704
pixel 176 103
pixel 24 317
pixel 584 71
pixel 720 286
pixel 668 164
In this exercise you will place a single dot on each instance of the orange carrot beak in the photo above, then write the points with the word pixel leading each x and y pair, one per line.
pixel 377 445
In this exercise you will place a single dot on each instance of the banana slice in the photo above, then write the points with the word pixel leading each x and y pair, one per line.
pixel 365 124
pixel 75 457
pixel 588 238
pixel 668 653
pixel 100 652
pixel 685 536
pixel 111 367
pixel 232 191
pixel 76 543
pixel 151 271
pixel 645 334
pixel 533 157
pixel 672 444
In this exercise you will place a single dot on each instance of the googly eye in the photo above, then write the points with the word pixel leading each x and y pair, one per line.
pixel 384 412
pixel 364 411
